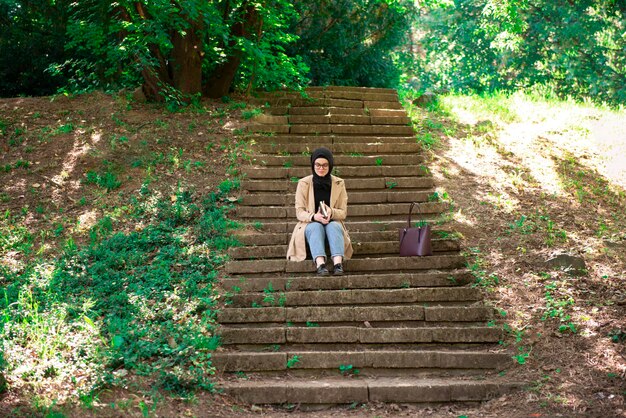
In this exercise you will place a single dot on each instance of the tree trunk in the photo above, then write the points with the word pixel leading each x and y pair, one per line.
pixel 219 83
pixel 186 62
pixel 181 69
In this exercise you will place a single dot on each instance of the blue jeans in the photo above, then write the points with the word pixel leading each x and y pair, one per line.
pixel 316 235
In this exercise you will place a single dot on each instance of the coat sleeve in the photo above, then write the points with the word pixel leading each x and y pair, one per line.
pixel 340 211
pixel 302 195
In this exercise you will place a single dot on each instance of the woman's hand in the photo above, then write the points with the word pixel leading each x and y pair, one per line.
pixel 320 218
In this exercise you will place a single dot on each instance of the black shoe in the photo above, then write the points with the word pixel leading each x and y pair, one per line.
pixel 338 270
pixel 322 270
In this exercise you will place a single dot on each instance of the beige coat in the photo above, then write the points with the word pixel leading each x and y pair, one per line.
pixel 305 209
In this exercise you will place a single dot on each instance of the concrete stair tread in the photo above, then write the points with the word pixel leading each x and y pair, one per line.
pixel 384 264
pixel 397 280
pixel 454 294
pixel 355 313
pixel 343 148
pixel 370 196
pixel 359 334
pixel 342 390
pixel 369 171
pixel 314 140
pixel 230 361
pixel 341 160
pixel 378 211
pixel 372 248
pixel 252 237
pixel 353 226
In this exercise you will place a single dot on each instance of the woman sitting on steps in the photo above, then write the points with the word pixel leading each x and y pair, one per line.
pixel 321 208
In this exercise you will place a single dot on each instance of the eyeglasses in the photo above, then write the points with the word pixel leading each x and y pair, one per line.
pixel 321 165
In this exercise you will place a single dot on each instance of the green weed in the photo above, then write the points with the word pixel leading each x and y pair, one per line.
pixel 617 336
pixel 348 370
pixel 64 129
pixel 558 302
pixel 291 362
pixel 427 140
pixel 523 225
pixel 488 281
pixel 249 114
pixel 21 164
pixel 107 180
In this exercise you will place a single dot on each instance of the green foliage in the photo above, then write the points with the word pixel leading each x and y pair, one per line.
pixel 617 336
pixel 291 362
pixel 107 180
pixel 352 43
pixel 139 301
pixel 348 370
pixel 32 36
pixel 488 281
pixel 489 45
pixel 14 235
pixel 121 44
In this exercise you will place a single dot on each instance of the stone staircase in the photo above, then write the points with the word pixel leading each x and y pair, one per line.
pixel 393 329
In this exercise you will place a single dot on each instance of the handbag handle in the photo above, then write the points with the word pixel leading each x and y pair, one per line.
pixel 411 211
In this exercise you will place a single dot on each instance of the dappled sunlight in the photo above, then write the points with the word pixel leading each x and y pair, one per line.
pixel 87 220
pixel 16 187
pixel 96 137
pixel 538 184
pixel 460 217
pixel 534 136
pixel 609 136
pixel 594 136
pixel 79 149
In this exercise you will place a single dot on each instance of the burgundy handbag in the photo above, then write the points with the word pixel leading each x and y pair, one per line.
pixel 415 240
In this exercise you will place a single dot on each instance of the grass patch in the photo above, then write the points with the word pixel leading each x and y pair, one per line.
pixel 136 303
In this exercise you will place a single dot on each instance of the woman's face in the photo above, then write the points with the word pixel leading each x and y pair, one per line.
pixel 321 167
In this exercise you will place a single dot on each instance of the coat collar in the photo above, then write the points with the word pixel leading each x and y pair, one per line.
pixel 334 191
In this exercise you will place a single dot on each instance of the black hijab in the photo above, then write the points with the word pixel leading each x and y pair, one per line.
pixel 322 185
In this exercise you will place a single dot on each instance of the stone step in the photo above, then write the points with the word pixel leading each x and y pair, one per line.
pixel 313 141
pixel 318 111
pixel 360 248
pixel 326 110
pixel 351 88
pixel 340 390
pixel 392 184
pixel 334 119
pixel 376 225
pixel 354 313
pixel 371 197
pixel 427 295
pixel 361 360
pixel 246 237
pixel 398 280
pixel 387 102
pixel 356 335
pixel 341 160
pixel 354 211
pixel 355 265
pixel 340 129
pixel 357 94
pixel 292 173
pixel 349 148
